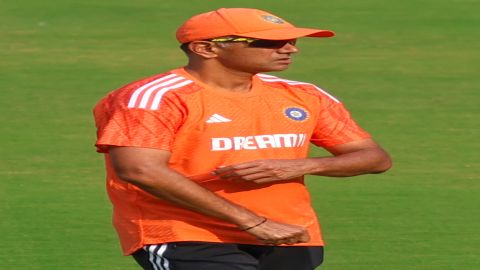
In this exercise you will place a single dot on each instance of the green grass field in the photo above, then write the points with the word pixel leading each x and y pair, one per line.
pixel 408 71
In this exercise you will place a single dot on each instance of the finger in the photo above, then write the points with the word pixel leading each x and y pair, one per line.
pixel 235 167
pixel 305 237
pixel 250 173
pixel 267 241
pixel 247 175
pixel 246 165
pixel 264 179
pixel 223 170
pixel 290 241
pixel 252 177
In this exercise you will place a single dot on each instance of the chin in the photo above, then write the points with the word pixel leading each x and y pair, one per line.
pixel 280 68
pixel 273 68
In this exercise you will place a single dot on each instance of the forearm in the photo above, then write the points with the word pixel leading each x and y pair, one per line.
pixel 173 187
pixel 369 160
pixel 347 160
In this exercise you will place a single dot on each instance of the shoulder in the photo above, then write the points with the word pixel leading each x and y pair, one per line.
pixel 303 87
pixel 148 93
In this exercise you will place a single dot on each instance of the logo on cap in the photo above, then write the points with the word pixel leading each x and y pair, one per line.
pixel 297 114
pixel 272 19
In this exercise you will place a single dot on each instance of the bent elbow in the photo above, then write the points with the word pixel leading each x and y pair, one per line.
pixel 384 164
pixel 128 177
pixel 133 175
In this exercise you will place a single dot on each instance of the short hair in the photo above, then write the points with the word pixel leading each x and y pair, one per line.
pixel 184 47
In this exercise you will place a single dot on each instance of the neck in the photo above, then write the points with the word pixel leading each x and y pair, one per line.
pixel 221 77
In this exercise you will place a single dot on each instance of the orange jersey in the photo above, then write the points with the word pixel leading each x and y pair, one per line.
pixel 205 128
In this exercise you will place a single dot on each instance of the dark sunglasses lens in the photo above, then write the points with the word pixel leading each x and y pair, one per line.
pixel 263 43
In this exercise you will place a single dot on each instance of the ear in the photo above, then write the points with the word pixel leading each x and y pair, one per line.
pixel 205 49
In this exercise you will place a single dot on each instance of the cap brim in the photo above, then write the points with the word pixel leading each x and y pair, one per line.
pixel 289 33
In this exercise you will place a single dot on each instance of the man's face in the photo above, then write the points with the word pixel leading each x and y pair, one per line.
pixel 257 56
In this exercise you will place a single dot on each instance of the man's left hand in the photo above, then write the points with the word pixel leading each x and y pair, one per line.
pixel 262 171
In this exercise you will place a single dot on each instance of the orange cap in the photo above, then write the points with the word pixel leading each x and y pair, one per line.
pixel 244 22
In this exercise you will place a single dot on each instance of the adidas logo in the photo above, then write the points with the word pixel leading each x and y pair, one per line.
pixel 217 118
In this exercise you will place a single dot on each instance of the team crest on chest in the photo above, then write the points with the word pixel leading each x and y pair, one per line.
pixel 296 114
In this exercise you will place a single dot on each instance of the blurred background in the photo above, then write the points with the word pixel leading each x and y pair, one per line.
pixel 409 71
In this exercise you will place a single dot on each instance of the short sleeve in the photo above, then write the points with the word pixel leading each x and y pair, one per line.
pixel 136 127
pixel 335 125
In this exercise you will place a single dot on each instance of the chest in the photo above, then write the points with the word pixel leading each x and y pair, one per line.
pixel 250 121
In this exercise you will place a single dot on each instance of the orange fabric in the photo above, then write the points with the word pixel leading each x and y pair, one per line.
pixel 206 128
pixel 243 22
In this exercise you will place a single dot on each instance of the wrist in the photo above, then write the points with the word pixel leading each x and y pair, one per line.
pixel 314 165
pixel 263 220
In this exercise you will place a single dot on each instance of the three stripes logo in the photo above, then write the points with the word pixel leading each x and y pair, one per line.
pixel 149 96
pixel 217 118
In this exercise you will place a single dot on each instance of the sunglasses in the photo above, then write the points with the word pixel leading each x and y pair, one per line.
pixel 257 43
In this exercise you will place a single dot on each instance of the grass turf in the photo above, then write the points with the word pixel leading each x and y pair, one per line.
pixel 408 71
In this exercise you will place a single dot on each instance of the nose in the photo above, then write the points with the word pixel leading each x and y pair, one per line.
pixel 289 47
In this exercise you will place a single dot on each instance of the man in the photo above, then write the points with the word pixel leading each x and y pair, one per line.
pixel 205 163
